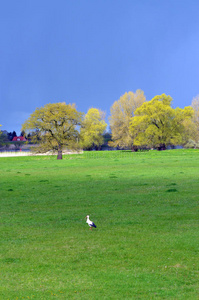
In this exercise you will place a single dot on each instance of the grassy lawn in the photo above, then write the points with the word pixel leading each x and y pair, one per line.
pixel 146 209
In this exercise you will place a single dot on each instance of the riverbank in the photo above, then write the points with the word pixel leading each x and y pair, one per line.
pixel 29 153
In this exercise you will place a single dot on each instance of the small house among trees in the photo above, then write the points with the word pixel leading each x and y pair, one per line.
pixel 19 139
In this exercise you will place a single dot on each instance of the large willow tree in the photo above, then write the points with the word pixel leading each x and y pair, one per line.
pixel 55 127
pixel 156 124
pixel 195 105
pixel 122 111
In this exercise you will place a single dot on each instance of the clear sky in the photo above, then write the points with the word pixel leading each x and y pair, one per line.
pixel 91 52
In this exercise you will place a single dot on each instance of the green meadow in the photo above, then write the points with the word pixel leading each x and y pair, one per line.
pixel 145 206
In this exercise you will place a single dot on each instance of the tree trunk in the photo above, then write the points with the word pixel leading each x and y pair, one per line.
pixel 134 148
pixel 59 156
pixel 161 147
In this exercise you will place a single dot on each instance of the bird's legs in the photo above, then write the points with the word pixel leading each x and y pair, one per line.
pixel 90 228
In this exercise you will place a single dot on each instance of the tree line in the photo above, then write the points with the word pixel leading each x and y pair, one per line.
pixel 6 137
pixel 134 124
pixel 138 123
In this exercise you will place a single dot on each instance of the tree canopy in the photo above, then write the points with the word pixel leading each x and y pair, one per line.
pixel 156 124
pixel 122 111
pixel 55 126
pixel 92 128
pixel 195 105
pixel 134 123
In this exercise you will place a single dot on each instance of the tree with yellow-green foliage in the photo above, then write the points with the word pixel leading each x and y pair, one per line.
pixel 122 111
pixel 92 129
pixel 192 127
pixel 195 105
pixel 157 125
pixel 55 127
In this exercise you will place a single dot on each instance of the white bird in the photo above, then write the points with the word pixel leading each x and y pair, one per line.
pixel 89 222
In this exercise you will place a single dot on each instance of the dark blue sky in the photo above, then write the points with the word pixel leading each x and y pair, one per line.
pixel 91 52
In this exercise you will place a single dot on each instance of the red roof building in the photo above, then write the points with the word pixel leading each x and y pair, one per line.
pixel 19 139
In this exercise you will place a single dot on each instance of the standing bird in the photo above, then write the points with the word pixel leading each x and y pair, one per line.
pixel 90 223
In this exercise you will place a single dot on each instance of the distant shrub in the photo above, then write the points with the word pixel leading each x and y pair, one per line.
pixel 192 144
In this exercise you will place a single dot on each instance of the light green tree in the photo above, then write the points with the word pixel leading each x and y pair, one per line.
pixel 92 129
pixel 195 105
pixel 122 111
pixel 156 124
pixel 55 127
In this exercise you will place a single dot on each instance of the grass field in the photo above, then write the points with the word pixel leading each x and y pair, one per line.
pixel 145 206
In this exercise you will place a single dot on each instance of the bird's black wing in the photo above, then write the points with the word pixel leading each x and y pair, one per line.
pixel 93 225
